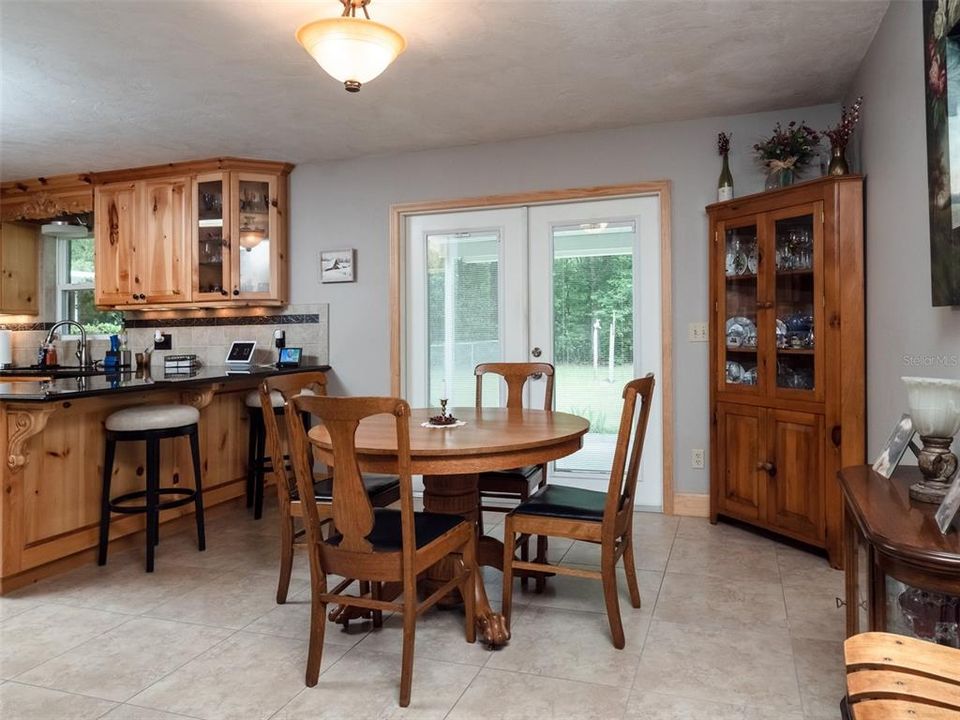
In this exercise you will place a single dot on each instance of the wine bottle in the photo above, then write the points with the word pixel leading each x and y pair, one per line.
pixel 725 183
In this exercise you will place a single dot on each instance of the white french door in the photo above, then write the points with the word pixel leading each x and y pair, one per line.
pixel 576 284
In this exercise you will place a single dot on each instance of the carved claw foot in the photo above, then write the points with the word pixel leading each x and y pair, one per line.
pixel 492 630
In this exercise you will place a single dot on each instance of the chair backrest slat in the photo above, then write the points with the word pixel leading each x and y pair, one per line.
pixel 516 376
pixel 287 386
pixel 353 513
pixel 623 475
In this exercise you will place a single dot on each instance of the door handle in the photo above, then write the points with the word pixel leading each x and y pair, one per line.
pixel 768 467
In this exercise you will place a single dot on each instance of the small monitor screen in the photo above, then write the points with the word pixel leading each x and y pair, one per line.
pixel 290 355
pixel 241 351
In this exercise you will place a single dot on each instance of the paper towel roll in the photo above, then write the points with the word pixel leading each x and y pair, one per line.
pixel 6 354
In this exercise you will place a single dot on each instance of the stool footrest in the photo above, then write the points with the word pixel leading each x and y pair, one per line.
pixel 186 496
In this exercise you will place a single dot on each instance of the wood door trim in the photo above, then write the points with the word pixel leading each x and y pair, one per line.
pixel 662 188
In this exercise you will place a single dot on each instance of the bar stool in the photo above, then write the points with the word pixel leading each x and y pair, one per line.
pixel 258 462
pixel 150 423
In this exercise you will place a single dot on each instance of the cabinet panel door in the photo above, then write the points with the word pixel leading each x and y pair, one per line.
pixel 739 440
pixel 19 268
pixel 161 257
pixel 795 492
pixel 115 218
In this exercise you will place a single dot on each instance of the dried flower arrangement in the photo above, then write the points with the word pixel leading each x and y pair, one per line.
pixel 790 148
pixel 840 134
pixel 723 143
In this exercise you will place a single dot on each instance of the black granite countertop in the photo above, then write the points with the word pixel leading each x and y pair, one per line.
pixel 125 382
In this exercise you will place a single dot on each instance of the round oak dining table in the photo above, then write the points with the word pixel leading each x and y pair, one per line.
pixel 450 460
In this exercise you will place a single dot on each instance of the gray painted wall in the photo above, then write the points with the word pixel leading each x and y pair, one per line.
pixel 345 204
pixel 906 335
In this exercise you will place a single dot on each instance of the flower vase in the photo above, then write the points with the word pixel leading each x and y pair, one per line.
pixel 779 178
pixel 838 161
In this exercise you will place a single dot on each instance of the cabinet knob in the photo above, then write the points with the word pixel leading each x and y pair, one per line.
pixel 224 293
pixel 768 467
pixel 236 292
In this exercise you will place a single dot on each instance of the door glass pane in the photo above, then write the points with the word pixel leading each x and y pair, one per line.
pixel 795 294
pixel 463 315
pixel 210 266
pixel 742 260
pixel 254 236
pixel 593 333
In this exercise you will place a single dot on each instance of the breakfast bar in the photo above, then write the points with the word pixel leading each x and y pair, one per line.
pixel 52 435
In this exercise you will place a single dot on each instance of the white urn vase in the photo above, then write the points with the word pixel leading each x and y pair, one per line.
pixel 935 411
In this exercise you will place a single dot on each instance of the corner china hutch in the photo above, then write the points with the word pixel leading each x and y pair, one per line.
pixel 787 372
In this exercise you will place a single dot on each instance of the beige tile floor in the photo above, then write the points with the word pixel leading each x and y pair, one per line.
pixel 733 627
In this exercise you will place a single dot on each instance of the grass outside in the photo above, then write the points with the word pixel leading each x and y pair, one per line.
pixel 578 388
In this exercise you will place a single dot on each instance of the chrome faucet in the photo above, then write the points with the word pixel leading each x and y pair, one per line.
pixel 81 349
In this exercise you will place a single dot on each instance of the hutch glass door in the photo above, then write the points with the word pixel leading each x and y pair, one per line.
pixel 798 300
pixel 738 311
pixel 256 246
pixel 212 237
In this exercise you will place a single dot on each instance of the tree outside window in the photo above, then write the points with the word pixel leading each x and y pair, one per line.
pixel 75 291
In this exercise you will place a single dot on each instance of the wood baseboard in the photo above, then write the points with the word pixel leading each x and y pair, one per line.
pixel 691 504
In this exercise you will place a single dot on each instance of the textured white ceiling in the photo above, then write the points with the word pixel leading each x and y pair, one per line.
pixel 100 84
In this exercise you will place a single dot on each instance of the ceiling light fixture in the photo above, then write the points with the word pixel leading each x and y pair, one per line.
pixel 251 236
pixel 350 49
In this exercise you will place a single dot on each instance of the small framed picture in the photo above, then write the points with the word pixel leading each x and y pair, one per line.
pixel 337 266
pixel 896 446
pixel 950 506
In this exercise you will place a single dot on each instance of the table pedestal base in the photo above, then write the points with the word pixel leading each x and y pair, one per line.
pixel 458 495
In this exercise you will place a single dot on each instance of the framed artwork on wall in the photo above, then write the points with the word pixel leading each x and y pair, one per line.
pixel 337 266
pixel 941 36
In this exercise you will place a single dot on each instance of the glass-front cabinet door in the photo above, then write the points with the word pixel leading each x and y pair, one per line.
pixel 738 308
pixel 257 266
pixel 797 296
pixel 211 237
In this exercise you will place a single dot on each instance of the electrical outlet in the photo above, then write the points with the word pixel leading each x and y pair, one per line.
pixel 696 458
pixel 697 332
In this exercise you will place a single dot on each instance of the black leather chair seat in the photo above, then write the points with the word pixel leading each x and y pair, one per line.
pixel 564 502
pixel 375 484
pixel 387 530
pixel 527 471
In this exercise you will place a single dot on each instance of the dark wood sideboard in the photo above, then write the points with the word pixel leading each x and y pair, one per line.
pixel 902 574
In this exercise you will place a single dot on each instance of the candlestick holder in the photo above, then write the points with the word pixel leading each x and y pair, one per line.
pixel 443 407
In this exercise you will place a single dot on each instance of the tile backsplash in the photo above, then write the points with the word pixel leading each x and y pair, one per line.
pixel 206 336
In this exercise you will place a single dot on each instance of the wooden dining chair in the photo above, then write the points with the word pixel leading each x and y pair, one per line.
pixel 515 484
pixel 383 490
pixel 893 676
pixel 604 518
pixel 375 545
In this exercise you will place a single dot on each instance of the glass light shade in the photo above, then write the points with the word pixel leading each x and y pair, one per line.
pixel 934 405
pixel 251 237
pixel 351 50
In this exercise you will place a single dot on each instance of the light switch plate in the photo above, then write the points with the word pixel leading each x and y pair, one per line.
pixel 697 332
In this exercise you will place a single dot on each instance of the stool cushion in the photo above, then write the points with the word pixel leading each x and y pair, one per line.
pixel 152 417
pixel 276 399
